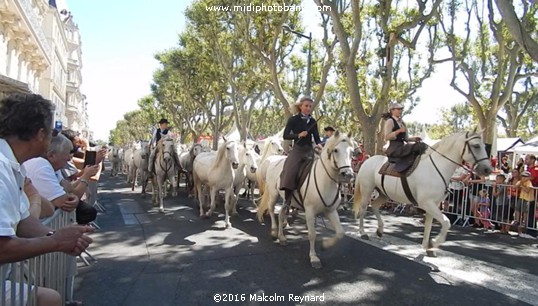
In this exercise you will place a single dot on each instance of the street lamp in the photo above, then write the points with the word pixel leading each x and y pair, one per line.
pixel 309 61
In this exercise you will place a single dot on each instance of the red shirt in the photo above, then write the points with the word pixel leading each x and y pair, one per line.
pixel 534 175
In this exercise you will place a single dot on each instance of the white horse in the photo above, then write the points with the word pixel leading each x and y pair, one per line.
pixel 272 146
pixel 215 170
pixel 140 165
pixel 165 168
pixel 247 164
pixel 428 183
pixel 320 192
pixel 186 160
pixel 128 162
pixel 115 159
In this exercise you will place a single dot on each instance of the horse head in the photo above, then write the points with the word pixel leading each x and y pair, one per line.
pixel 337 155
pixel 232 153
pixel 168 149
pixel 248 158
pixel 276 146
pixel 474 151
pixel 195 150
pixel 144 147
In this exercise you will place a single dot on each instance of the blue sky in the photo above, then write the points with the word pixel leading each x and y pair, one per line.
pixel 120 38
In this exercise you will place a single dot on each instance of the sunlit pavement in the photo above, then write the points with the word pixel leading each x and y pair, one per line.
pixel 175 258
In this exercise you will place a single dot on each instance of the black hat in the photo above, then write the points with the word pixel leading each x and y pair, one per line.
pixel 329 128
pixel 163 121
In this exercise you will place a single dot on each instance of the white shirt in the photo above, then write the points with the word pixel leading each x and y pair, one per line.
pixel 458 185
pixel 14 204
pixel 44 178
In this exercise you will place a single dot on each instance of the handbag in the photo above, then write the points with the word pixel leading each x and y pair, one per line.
pixel 85 213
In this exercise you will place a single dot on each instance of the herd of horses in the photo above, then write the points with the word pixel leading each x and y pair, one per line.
pixel 236 164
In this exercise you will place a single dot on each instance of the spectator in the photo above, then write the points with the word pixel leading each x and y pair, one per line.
pixel 532 167
pixel 329 131
pixel 476 183
pixel 456 187
pixel 505 166
pixel 25 133
pixel 484 211
pixel 526 196
pixel 42 172
pixel 501 208
pixel 39 207
pixel 520 165
pixel 530 162
pixel 493 162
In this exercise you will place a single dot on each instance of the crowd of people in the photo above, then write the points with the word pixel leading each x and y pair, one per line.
pixel 42 170
pixel 507 203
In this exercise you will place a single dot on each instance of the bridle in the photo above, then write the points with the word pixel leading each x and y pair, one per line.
pixel 466 146
pixel 335 167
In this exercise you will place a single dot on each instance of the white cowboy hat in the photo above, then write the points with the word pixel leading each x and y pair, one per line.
pixel 395 105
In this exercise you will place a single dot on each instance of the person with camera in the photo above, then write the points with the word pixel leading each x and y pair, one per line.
pixel 45 173
pixel 25 133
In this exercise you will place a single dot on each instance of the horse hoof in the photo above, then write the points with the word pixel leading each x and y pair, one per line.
pixel 379 233
pixel 274 238
pixel 316 264
pixel 365 237
pixel 283 242
pixel 208 215
pixel 228 225
pixel 431 253
pixel 204 216
pixel 235 213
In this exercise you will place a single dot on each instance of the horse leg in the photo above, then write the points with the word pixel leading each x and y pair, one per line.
pixel 376 204
pixel 426 241
pixel 339 230
pixel 173 182
pixel 364 199
pixel 213 193
pixel 311 226
pixel 282 216
pixel 436 214
pixel 160 191
pixel 200 198
pixel 229 205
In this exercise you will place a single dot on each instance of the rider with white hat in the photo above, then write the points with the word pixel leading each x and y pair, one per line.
pixel 401 146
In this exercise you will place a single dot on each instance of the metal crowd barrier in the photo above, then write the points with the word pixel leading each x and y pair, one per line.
pixel 53 270
pixel 501 209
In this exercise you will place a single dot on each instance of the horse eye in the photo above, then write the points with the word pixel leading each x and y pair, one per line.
pixel 335 150
pixel 476 146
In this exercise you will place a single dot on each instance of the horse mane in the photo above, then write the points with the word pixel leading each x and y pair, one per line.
pixel 442 143
pixel 220 152
pixel 265 148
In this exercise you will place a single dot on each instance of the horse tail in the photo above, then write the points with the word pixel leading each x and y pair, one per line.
pixel 263 206
pixel 357 200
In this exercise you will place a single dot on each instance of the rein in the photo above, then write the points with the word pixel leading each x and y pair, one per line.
pixel 329 175
pixel 466 145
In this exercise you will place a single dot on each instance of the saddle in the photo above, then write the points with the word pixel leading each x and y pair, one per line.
pixel 400 167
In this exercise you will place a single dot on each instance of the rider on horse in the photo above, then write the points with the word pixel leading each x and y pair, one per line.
pixel 402 149
pixel 159 133
pixel 300 128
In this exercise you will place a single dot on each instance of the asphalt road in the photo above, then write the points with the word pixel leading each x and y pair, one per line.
pixel 175 258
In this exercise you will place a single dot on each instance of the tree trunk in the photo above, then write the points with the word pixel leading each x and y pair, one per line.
pixel 369 139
